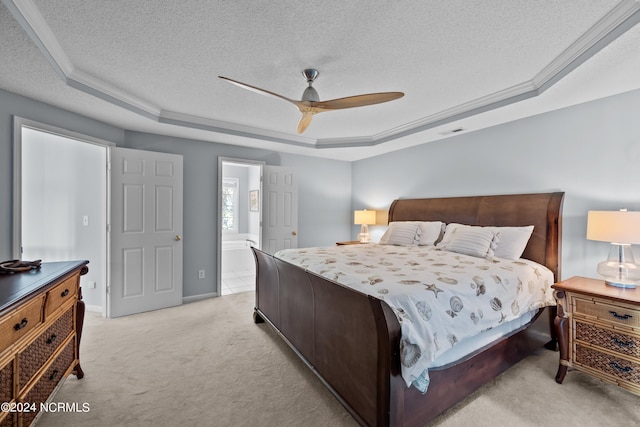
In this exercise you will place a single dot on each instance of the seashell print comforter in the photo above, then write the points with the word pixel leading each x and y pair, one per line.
pixel 439 297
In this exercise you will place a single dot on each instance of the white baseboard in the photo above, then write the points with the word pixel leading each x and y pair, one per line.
pixel 185 300
pixel 96 308
pixel 194 298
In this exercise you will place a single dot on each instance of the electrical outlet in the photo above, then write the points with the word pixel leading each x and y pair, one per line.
pixel 92 284
pixel 200 274
pixel 85 220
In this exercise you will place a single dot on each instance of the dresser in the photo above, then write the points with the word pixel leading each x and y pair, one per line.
pixel 41 317
pixel 598 328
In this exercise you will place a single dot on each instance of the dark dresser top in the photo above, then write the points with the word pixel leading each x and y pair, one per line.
pixel 14 287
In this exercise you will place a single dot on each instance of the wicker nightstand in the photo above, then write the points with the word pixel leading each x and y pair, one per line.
pixel 598 329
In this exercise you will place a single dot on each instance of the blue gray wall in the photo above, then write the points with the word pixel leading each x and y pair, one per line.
pixel 590 151
pixel 323 206
pixel 324 201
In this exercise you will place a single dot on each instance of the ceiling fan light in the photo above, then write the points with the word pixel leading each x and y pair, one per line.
pixel 310 94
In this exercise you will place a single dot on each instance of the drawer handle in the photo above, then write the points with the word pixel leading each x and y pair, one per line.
pixel 624 369
pixel 52 338
pixel 621 317
pixel 21 325
pixel 622 343
pixel 53 375
pixel 64 293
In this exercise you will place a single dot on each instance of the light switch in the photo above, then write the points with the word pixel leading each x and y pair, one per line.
pixel 85 220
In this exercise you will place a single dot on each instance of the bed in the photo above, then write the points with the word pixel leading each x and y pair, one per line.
pixel 352 341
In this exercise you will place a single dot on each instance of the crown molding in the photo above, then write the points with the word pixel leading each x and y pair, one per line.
pixel 620 19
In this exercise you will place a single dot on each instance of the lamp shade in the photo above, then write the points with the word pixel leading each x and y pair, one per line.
pixel 364 217
pixel 621 227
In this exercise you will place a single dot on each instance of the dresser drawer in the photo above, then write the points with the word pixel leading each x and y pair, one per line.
pixel 61 293
pixel 42 389
pixel 20 322
pixel 617 367
pixel 604 311
pixel 9 420
pixel 40 350
pixel 607 338
pixel 6 382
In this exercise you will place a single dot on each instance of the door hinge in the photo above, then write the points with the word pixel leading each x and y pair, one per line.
pixel 108 290
pixel 108 228
pixel 108 166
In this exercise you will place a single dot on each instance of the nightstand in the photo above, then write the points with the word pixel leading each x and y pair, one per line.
pixel 350 242
pixel 598 328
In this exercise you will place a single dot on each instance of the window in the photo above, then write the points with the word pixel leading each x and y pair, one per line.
pixel 230 205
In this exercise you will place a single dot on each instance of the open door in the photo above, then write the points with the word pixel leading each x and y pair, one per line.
pixel 280 209
pixel 146 231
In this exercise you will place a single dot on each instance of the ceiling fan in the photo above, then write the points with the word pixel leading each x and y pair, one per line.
pixel 311 104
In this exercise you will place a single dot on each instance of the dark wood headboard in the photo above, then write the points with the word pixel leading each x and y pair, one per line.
pixel 542 210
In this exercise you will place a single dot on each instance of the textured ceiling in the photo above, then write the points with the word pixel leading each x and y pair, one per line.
pixel 152 65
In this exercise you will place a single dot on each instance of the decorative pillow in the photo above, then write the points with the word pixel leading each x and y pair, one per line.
pixel 448 232
pixel 430 231
pixel 401 234
pixel 513 241
pixel 474 241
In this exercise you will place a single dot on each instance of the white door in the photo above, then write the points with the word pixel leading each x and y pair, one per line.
pixel 280 209
pixel 146 231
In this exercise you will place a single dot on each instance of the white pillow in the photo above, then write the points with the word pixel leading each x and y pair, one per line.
pixel 513 241
pixel 448 232
pixel 401 234
pixel 473 241
pixel 430 231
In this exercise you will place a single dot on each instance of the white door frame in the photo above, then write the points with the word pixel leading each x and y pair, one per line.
pixel 18 124
pixel 221 161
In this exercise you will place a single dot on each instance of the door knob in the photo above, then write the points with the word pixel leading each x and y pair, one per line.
pixel 293 233
pixel 178 238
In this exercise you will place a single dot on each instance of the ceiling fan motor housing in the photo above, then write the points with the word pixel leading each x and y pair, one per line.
pixel 310 94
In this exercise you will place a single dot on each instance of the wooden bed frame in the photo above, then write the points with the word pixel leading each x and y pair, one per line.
pixel 351 340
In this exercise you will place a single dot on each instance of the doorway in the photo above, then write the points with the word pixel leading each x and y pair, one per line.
pixel 239 223
pixel 60 201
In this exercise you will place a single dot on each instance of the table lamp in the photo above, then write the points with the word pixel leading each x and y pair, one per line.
pixel 621 229
pixel 364 218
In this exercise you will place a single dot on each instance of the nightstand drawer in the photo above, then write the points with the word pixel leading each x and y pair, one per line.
pixel 614 314
pixel 617 367
pixel 606 338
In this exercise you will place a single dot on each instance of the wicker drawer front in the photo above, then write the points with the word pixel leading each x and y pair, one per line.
pixel 8 421
pixel 614 366
pixel 19 323
pixel 609 339
pixel 6 382
pixel 41 391
pixel 607 312
pixel 40 350
pixel 62 293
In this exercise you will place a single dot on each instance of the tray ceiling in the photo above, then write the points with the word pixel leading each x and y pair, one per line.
pixel 152 66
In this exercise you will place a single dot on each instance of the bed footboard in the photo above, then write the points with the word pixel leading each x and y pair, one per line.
pixel 321 319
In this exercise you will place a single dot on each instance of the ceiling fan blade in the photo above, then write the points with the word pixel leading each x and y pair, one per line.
pixel 357 100
pixel 305 121
pixel 258 90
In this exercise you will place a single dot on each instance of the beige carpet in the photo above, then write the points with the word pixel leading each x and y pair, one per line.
pixel 208 364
